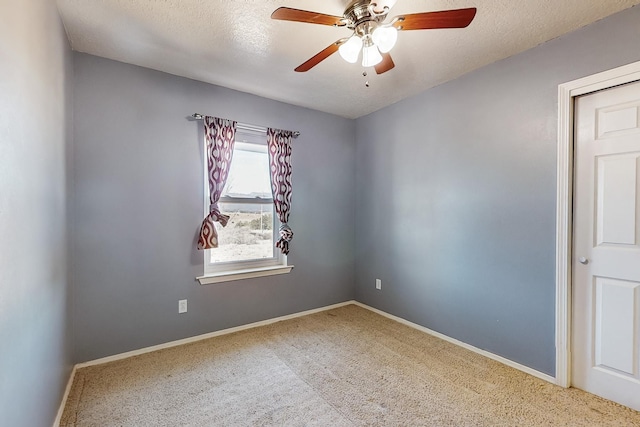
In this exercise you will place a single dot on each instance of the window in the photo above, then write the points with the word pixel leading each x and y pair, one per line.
pixel 246 246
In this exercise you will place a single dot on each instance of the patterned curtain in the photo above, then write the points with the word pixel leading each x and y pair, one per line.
pixel 219 137
pixel 279 143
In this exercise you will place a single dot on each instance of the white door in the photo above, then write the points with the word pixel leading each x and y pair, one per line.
pixel 606 245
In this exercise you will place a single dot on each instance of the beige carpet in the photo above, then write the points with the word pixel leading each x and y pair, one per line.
pixel 344 367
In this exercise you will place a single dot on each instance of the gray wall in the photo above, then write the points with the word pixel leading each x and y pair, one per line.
pixel 138 205
pixel 455 193
pixel 35 114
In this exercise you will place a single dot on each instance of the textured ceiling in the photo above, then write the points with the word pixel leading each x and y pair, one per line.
pixel 235 44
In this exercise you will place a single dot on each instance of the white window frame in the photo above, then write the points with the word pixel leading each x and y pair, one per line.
pixel 237 270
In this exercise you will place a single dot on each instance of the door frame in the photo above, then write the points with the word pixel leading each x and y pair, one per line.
pixel 564 202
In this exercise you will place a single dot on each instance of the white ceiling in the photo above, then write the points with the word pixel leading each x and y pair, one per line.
pixel 234 43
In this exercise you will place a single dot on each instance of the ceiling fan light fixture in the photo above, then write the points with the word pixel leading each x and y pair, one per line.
pixel 350 50
pixel 366 18
pixel 371 56
pixel 385 38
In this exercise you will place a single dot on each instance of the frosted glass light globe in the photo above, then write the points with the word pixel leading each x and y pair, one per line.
pixel 370 56
pixel 350 50
pixel 385 38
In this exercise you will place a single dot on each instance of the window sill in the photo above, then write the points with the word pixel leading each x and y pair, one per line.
pixel 228 276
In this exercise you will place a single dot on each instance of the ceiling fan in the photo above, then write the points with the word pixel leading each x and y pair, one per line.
pixel 370 34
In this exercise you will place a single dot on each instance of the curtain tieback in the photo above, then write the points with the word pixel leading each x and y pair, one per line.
pixel 286 233
pixel 216 215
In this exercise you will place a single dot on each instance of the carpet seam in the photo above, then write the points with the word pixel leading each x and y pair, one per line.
pixel 318 393
pixel 315 390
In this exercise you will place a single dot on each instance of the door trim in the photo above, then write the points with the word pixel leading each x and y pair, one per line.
pixel 564 201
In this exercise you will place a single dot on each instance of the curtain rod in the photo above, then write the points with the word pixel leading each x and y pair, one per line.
pixel 199 116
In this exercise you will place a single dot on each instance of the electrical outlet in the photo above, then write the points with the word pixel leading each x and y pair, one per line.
pixel 378 284
pixel 182 306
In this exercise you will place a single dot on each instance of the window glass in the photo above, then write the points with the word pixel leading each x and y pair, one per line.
pixel 248 234
pixel 249 172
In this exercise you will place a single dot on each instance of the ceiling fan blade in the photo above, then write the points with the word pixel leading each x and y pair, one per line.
pixel 385 65
pixel 380 5
pixel 458 18
pixel 320 56
pixel 297 15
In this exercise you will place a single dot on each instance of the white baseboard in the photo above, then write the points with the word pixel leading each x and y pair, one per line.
pixel 485 353
pixel 208 335
pixel 65 396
